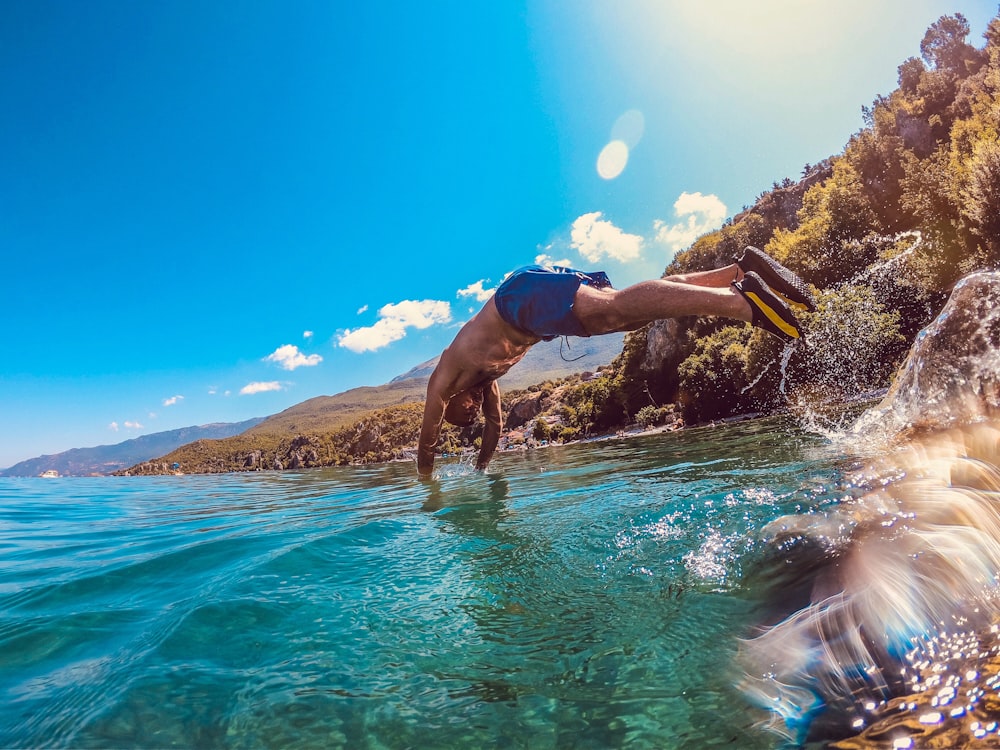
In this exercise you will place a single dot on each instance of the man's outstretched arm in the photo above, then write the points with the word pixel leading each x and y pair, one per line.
pixel 494 424
pixel 430 428
pixel 430 431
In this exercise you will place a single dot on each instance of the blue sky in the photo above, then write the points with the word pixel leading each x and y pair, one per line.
pixel 213 211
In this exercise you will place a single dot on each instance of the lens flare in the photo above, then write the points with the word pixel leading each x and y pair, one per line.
pixel 612 160
pixel 629 128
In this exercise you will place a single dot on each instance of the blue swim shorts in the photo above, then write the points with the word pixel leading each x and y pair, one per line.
pixel 539 300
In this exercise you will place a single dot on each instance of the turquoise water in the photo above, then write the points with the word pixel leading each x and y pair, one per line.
pixel 585 596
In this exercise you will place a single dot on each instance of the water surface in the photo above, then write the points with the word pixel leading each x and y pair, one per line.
pixel 584 596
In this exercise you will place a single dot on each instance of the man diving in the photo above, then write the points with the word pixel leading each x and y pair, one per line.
pixel 537 304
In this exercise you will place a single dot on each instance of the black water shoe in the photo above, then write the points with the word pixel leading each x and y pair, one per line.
pixel 782 281
pixel 769 309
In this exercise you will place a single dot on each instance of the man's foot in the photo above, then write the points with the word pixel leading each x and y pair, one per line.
pixel 768 309
pixel 782 281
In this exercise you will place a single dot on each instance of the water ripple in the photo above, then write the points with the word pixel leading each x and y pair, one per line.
pixel 568 598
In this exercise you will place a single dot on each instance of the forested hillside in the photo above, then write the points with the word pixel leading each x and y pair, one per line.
pixel 882 231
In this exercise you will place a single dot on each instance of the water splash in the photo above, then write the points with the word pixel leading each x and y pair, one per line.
pixel 952 374
pixel 786 357
pixel 852 342
pixel 910 557
pixel 911 561
pixel 856 338
pixel 783 360
pixel 879 272
pixel 465 466
pixel 711 561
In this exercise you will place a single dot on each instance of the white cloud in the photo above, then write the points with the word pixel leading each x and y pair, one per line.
pixel 363 309
pixel 307 334
pixel 476 291
pixel 698 214
pixel 251 388
pixel 547 260
pixel 393 321
pixel 288 357
pixel 132 425
pixel 172 400
pixel 113 427
pixel 596 238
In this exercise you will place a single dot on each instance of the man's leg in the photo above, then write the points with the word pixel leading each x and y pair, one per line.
pixel 780 279
pixel 608 310
pixel 669 297
pixel 751 300
pixel 717 277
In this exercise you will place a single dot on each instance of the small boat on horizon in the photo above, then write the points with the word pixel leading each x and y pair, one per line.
pixel 50 474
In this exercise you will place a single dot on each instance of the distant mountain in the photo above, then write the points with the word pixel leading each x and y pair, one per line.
pixel 546 360
pixel 104 459
pixel 550 360
pixel 421 371
pixel 329 413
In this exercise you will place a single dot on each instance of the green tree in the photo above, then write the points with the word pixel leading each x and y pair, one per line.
pixel 541 430
pixel 981 192
pixel 875 154
pixel 928 194
pixel 568 434
pixel 834 216
pixel 713 380
pixel 648 416
pixel 910 73
pixel 944 48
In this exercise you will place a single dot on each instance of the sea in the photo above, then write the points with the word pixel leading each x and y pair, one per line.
pixel 587 596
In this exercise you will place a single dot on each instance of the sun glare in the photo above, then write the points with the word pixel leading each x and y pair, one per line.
pixel 625 134
pixel 612 160
pixel 629 128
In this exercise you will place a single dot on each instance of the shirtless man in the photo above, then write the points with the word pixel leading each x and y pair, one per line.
pixel 535 304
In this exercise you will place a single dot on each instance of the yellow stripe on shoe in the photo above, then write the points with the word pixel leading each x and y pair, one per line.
pixel 792 303
pixel 776 320
pixel 768 310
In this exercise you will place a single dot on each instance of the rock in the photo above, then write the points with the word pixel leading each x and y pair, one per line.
pixel 525 410
pixel 663 347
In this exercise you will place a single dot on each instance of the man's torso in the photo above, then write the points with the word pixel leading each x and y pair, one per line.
pixel 484 350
